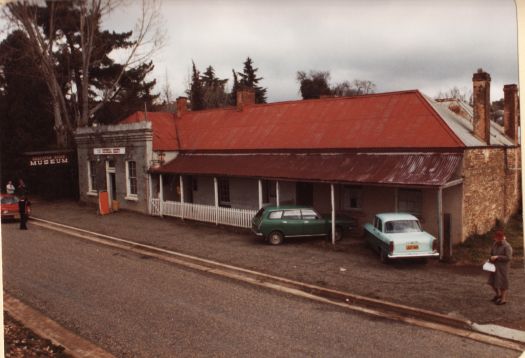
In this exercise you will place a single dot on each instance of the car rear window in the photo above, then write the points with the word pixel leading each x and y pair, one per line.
pixel 275 214
pixel 400 226
pixel 292 214
pixel 309 214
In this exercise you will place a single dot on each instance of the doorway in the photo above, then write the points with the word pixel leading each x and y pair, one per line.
pixel 305 194
pixel 112 186
pixel 111 179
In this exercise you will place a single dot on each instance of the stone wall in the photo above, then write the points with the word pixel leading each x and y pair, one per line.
pixel 491 187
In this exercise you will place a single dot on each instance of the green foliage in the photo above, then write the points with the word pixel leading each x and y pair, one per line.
pixel 196 91
pixel 475 249
pixel 314 85
pixel 317 83
pixel 235 88
pixel 249 79
pixel 26 123
pixel 207 90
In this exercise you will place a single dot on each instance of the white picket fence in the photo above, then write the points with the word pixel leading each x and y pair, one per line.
pixel 206 213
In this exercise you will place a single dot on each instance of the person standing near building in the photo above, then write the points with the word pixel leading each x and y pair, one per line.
pixel 23 208
pixel 500 256
pixel 10 188
pixel 21 190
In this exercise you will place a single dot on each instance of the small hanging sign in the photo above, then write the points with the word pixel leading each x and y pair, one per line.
pixel 105 151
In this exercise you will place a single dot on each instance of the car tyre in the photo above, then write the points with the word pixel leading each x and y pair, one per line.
pixel 383 255
pixel 275 238
pixel 338 233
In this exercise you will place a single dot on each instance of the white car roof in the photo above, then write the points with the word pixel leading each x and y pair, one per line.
pixel 396 216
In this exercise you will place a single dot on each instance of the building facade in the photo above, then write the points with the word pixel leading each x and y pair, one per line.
pixel 443 161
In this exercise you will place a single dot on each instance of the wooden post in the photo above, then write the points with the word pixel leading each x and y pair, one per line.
pixel 440 221
pixel 216 188
pixel 277 198
pixel 181 184
pixel 260 194
pixel 150 194
pixel 161 194
pixel 333 212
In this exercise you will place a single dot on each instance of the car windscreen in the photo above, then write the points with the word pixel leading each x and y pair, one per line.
pixel 9 200
pixel 400 226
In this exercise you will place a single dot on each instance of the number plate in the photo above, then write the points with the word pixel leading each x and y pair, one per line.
pixel 412 247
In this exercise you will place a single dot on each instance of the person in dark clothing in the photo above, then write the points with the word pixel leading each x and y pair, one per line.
pixel 21 189
pixel 23 207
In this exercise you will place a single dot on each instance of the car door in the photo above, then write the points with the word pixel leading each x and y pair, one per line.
pixel 313 224
pixel 292 222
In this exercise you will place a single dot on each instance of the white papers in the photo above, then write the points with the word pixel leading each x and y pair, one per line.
pixel 489 266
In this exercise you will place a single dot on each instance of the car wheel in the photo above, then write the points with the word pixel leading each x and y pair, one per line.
pixel 383 255
pixel 338 233
pixel 275 238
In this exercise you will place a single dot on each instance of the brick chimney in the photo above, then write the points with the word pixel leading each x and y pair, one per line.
pixel 481 96
pixel 510 112
pixel 245 97
pixel 182 106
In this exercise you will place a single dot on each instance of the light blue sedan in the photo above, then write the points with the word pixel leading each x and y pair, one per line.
pixel 399 235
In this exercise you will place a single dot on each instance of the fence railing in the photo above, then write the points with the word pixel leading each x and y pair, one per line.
pixel 206 213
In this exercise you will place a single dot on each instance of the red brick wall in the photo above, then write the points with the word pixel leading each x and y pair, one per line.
pixel 491 187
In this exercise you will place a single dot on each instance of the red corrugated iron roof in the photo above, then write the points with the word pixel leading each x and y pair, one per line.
pixel 164 131
pixel 387 120
pixel 421 169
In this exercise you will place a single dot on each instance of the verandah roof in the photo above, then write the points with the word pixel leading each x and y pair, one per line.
pixel 416 169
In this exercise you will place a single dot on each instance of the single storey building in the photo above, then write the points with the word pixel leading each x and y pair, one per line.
pixel 441 160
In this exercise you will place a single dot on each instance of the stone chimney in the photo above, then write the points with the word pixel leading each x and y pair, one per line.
pixel 510 112
pixel 481 97
pixel 245 97
pixel 182 106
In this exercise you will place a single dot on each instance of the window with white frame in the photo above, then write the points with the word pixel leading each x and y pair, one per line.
pixel 91 174
pixel 409 201
pixel 131 179
pixel 352 197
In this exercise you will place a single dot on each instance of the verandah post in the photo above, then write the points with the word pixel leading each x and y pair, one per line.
pixel 161 194
pixel 277 199
pixel 216 188
pixel 181 185
pixel 260 194
pixel 332 196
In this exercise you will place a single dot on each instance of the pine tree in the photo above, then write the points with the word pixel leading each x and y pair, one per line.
pixel 196 92
pixel 214 95
pixel 250 80
pixel 134 94
pixel 235 88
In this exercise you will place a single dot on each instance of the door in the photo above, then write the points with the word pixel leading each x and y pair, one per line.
pixel 305 194
pixel 112 186
pixel 313 224
pixel 292 224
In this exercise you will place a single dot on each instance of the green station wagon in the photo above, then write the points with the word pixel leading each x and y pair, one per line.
pixel 274 223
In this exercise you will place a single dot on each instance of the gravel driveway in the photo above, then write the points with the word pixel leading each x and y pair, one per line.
pixel 350 266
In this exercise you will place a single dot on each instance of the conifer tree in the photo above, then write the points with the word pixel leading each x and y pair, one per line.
pixel 235 88
pixel 249 79
pixel 195 92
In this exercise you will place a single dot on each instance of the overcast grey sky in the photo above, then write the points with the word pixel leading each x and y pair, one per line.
pixel 399 45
